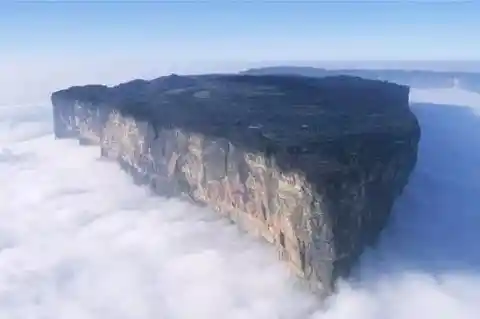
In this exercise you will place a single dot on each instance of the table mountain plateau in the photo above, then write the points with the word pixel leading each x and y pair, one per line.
pixel 312 165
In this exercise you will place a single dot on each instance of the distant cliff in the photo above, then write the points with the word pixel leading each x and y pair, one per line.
pixel 413 78
pixel 312 165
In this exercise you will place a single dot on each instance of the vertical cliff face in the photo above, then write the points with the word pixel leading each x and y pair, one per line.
pixel 311 165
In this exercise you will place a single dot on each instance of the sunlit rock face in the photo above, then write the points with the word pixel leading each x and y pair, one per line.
pixel 312 165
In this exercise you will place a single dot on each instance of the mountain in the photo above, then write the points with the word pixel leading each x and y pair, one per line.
pixel 413 78
pixel 312 165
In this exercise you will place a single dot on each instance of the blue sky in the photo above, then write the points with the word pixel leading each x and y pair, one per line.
pixel 250 30
pixel 48 45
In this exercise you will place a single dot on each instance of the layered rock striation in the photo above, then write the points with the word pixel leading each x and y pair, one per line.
pixel 313 165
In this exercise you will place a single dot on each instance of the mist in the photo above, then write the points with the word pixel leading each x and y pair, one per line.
pixel 79 240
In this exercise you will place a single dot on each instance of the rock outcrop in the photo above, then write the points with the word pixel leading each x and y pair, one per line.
pixel 313 165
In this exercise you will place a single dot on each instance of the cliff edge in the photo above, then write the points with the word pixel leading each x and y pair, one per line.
pixel 313 165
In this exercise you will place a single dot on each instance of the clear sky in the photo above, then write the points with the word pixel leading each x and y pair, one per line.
pixel 145 38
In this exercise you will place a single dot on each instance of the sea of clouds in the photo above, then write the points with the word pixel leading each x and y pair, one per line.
pixel 79 241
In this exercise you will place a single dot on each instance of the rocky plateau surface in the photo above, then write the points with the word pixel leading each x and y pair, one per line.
pixel 312 165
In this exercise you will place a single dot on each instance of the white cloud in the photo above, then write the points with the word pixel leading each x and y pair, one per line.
pixel 79 240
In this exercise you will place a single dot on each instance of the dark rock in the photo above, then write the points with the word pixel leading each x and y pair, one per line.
pixel 313 165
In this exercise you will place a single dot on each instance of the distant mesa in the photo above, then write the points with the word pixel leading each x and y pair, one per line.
pixel 311 164
pixel 413 78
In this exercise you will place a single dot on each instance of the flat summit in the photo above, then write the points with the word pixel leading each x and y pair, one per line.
pixel 312 165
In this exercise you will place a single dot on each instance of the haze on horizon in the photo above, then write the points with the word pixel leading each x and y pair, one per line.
pixel 45 46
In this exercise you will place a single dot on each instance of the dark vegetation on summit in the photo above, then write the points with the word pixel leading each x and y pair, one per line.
pixel 290 116
pixel 313 163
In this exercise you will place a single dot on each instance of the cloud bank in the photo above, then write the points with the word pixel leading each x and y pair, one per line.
pixel 79 240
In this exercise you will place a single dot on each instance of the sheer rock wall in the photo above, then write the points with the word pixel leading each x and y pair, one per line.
pixel 311 165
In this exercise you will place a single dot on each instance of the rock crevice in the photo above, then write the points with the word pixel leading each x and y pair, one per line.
pixel 311 165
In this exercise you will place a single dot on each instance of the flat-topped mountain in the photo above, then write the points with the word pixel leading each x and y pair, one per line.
pixel 414 78
pixel 313 165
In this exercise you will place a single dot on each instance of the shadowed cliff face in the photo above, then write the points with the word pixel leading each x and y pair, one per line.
pixel 311 165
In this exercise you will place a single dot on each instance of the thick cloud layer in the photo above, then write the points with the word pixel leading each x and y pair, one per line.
pixel 79 240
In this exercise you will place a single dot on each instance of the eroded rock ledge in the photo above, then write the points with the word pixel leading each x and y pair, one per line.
pixel 313 165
